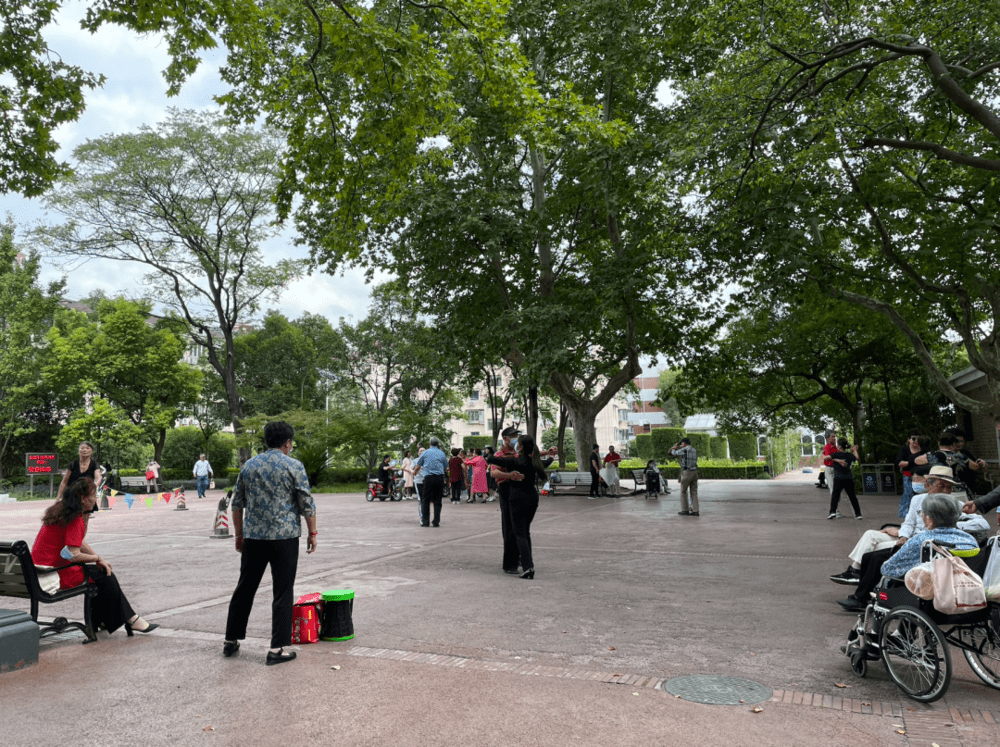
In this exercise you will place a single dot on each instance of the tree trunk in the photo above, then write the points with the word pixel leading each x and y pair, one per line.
pixel 584 431
pixel 532 413
pixel 161 438
pixel 561 442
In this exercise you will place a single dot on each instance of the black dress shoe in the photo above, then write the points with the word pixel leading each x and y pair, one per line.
pixel 530 573
pixel 852 604
pixel 435 525
pixel 228 649
pixel 694 513
pixel 280 657
pixel 683 513
pixel 511 571
pixel 425 525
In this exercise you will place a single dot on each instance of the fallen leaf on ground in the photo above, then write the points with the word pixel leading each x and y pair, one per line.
pixel 335 666
pixel 752 653
pixel 742 701
pixel 900 731
pixel 617 674
pixel 756 709
pixel 564 631
pixel 677 696
pixel 612 648
pixel 635 693
pixel 209 728
pixel 898 726
pixel 935 744
pixel 517 657
pixel 841 684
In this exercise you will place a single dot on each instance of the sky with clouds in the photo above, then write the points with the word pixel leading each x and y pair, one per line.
pixel 134 94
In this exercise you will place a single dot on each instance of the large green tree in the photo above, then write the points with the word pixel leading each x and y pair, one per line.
pixel 190 202
pixel 811 364
pixel 852 148
pixel 26 311
pixel 534 197
pixel 129 358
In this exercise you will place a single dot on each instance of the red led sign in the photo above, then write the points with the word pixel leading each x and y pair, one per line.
pixel 41 464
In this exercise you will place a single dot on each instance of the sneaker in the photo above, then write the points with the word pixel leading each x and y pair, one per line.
pixel 859 517
pixel 683 513
pixel 850 576
pixel 833 516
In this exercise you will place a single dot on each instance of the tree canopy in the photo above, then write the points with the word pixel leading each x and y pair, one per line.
pixel 851 148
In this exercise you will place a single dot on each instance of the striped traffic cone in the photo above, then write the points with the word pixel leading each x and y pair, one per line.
pixel 181 501
pixel 221 522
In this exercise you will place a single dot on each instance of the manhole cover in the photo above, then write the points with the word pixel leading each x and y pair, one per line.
pixel 715 690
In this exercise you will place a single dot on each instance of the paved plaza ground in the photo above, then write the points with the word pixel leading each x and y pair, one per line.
pixel 449 650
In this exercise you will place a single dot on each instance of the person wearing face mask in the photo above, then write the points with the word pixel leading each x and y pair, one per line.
pixel 64 526
pixel 910 450
pixel 874 548
pixel 522 474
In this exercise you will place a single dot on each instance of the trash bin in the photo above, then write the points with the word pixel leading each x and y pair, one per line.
pixel 338 605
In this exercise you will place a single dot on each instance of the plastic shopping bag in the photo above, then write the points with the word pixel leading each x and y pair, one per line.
pixel 991 576
pixel 920 580
pixel 957 589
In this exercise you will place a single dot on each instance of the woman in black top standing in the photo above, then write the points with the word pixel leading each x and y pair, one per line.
pixel 85 466
pixel 525 469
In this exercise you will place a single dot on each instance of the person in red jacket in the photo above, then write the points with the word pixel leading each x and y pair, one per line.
pixel 828 450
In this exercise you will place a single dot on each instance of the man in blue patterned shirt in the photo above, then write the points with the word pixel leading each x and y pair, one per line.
pixel 271 493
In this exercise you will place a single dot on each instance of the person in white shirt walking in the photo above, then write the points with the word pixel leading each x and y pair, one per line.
pixel 203 472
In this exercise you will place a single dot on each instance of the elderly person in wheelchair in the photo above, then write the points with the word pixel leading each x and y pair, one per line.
pixel 940 514
pixel 910 635
pixel 875 547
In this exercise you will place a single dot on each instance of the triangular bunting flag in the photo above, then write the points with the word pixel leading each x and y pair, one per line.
pixel 114 492
pixel 167 497
pixel 129 499
pixel 149 502
pixel 112 501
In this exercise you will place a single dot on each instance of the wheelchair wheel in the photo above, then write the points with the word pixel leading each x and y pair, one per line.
pixel 915 653
pixel 986 665
pixel 370 496
pixel 859 664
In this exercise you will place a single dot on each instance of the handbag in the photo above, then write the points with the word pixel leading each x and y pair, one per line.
pixel 957 589
pixel 211 484
pixel 150 475
pixel 991 575
pixel 554 478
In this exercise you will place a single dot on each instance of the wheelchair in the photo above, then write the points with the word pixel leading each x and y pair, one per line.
pixel 912 638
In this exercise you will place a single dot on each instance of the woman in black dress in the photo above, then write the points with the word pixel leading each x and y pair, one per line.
pixel 525 470
pixel 85 466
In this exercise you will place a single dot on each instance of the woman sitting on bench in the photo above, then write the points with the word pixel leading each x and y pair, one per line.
pixel 63 525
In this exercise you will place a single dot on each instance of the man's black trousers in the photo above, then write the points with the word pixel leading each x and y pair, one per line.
pixel 283 557
pixel 431 493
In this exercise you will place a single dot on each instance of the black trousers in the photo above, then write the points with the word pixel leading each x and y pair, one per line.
pixel 431 492
pixel 845 484
pixel 109 607
pixel 871 571
pixel 456 490
pixel 511 552
pixel 595 482
pixel 283 557
pixel 522 511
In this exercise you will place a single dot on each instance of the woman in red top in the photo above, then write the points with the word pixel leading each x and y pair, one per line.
pixel 63 525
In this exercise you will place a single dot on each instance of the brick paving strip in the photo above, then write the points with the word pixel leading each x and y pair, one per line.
pixel 923 728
